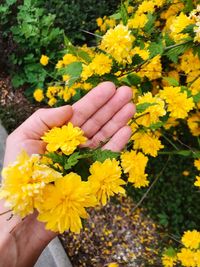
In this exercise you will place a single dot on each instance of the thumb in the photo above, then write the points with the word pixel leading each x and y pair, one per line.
pixel 43 120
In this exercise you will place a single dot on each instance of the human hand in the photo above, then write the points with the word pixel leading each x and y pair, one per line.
pixel 102 114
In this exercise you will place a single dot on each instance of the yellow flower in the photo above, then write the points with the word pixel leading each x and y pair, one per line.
pixel 113 264
pixel 193 123
pixel 134 164
pixel 178 103
pixel 138 21
pixel 191 239
pixel 23 182
pixel 105 179
pixel 197 164
pixel 152 114
pixel 44 60
pixel 100 65
pixel 38 95
pixel 87 72
pixel 68 59
pixel 68 93
pixel 187 257
pixel 168 261
pixel 186 173
pixel 66 77
pixel 52 101
pixel 178 25
pixel 53 90
pixel 148 142
pixel 64 204
pixel 118 43
pixel 146 6
pixel 197 183
pixel 99 22
pixel 152 70
pixel 60 64
pixel 195 86
pixel 67 138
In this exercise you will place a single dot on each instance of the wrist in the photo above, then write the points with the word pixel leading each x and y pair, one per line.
pixel 22 241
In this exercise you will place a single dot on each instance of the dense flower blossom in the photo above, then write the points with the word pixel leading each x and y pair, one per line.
pixel 178 25
pixel 152 114
pixel 105 179
pixel 148 142
pixel 44 60
pixel 169 261
pixel 197 182
pixel 118 43
pixel 100 65
pixel 134 164
pixel 191 239
pixel 24 181
pixel 64 203
pixel 179 104
pixel 38 95
pixel 187 257
pixel 66 138
pixel 139 21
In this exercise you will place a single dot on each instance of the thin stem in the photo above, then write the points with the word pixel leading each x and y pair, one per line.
pixel 151 186
pixel 174 146
pixel 96 35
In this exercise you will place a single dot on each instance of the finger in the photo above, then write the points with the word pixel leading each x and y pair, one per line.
pixel 122 96
pixel 93 101
pixel 119 140
pixel 113 126
pixel 43 120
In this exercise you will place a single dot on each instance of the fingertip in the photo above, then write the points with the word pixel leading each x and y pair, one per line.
pixel 108 86
pixel 126 90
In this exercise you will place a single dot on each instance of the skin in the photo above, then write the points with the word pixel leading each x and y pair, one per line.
pixel 102 114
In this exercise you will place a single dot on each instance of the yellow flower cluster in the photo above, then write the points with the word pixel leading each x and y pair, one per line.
pixel 179 104
pixel 148 142
pixel 118 43
pixel 23 182
pixel 152 114
pixel 105 179
pixel 189 255
pixel 66 139
pixel 100 65
pixel 64 203
pixel 178 25
pixel 134 164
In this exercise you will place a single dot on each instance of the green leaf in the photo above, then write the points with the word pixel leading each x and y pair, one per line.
pixel 140 108
pixel 124 13
pixel 56 158
pixel 173 53
pixel 156 49
pixel 156 125
pixel 196 98
pixel 189 29
pixel 116 16
pixel 72 161
pixel 74 70
pixel 149 27
pixel 102 155
pixel 171 81
pixel 171 252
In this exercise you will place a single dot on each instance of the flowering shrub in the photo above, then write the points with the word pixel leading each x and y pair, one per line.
pixel 153 47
